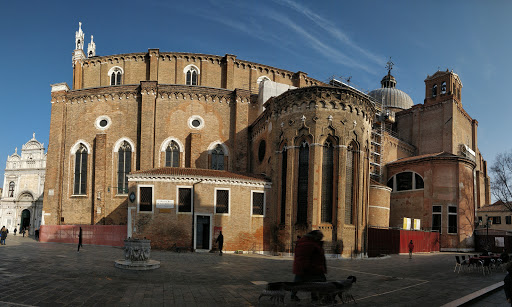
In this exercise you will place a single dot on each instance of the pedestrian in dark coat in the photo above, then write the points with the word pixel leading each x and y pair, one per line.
pixel 220 240
pixel 508 283
pixel 309 262
pixel 79 239
pixel 4 235
pixel 15 229
pixel 411 248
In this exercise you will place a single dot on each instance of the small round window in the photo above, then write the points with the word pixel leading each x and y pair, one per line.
pixel 103 122
pixel 261 150
pixel 196 122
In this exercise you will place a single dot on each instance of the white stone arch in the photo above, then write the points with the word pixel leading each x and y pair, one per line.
pixel 120 141
pixel 168 140
pixel 191 67
pixel 23 196
pixel 114 68
pixel 75 147
pixel 262 78
pixel 212 146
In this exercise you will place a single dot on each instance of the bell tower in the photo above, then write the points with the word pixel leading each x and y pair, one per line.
pixel 91 48
pixel 441 86
pixel 78 58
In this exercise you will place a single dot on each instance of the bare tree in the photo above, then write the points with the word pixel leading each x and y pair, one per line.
pixel 501 182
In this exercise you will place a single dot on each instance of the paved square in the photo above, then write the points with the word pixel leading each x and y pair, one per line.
pixel 50 274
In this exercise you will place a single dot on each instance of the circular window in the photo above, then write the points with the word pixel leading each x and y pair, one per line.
pixel 261 150
pixel 103 122
pixel 196 122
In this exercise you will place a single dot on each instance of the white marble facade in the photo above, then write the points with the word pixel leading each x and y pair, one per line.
pixel 21 203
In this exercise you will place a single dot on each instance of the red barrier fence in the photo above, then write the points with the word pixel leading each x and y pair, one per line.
pixel 394 241
pixel 110 235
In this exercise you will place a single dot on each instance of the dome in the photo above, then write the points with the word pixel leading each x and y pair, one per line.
pixel 390 96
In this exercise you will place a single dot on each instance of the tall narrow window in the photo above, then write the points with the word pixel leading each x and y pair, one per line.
pixel 327 182
pixel 452 219
pixel 436 218
pixel 258 203
pixel 284 170
pixel 172 154
pixel 80 171
pixel 222 201
pixel 115 77
pixel 192 76
pixel 11 189
pixel 443 87
pixel 123 167
pixel 302 187
pixel 349 185
pixel 218 158
pixel 185 200
pixel 146 199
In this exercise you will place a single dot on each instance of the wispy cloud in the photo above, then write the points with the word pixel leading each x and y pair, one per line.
pixel 332 29
pixel 315 43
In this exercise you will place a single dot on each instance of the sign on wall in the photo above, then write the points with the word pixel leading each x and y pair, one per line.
pixel 499 241
pixel 165 203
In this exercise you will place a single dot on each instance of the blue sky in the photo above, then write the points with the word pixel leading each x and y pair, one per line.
pixel 322 38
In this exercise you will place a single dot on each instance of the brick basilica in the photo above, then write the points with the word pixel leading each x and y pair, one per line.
pixel 180 146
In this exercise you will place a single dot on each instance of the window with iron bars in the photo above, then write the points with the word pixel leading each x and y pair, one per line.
pixel 258 203
pixel 222 201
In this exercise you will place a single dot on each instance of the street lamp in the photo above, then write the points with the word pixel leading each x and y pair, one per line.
pixel 488 223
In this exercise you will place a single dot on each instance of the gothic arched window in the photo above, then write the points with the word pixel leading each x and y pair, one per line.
pixel 124 167
pixel 284 169
pixel 327 182
pixel 115 76
pixel 351 171
pixel 172 154
pixel 80 183
pixel 192 74
pixel 11 189
pixel 302 186
pixel 218 158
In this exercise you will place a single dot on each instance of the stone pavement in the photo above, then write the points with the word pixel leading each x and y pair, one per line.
pixel 51 274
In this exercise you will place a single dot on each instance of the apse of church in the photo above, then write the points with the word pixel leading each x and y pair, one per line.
pixel 177 147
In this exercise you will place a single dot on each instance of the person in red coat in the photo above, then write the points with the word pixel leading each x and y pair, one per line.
pixel 411 248
pixel 309 262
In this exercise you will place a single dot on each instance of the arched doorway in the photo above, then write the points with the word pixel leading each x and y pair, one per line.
pixel 25 219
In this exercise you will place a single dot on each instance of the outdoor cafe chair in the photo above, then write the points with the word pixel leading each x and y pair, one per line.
pixel 464 262
pixel 485 264
pixel 457 264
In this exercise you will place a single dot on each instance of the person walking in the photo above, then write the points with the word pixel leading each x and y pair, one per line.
pixel 411 248
pixel 220 240
pixel 309 263
pixel 508 283
pixel 79 239
pixel 23 231
pixel 15 229
pixel 4 234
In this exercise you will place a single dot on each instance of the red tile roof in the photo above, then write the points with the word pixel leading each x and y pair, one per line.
pixel 431 155
pixel 498 206
pixel 198 172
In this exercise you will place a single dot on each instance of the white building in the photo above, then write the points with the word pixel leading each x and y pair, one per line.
pixel 21 203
